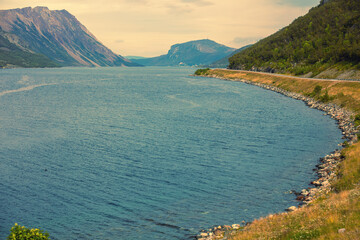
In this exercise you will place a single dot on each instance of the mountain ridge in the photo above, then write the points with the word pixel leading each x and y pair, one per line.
pixel 197 52
pixel 58 35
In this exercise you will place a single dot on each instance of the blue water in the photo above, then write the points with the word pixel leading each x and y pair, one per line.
pixel 148 153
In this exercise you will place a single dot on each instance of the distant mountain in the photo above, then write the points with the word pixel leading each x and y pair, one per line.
pixel 134 57
pixel 224 62
pixel 200 52
pixel 323 43
pixel 57 35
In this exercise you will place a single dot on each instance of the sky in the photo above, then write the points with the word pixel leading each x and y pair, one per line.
pixel 149 27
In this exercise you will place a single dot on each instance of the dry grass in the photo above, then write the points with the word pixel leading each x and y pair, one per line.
pixel 345 93
pixel 341 208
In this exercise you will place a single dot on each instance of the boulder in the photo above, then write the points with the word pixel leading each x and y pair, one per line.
pixel 291 209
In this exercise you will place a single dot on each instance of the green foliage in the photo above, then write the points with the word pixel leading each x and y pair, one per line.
pixel 304 234
pixel 325 98
pixel 328 35
pixel 203 71
pixel 18 232
pixel 316 91
pixel 357 120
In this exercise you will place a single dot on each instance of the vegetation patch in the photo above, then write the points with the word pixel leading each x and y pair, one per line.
pixel 18 232
pixel 201 72
pixel 326 40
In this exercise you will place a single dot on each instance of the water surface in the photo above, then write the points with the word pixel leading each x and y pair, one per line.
pixel 148 153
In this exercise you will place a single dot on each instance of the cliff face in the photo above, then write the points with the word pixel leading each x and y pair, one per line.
pixel 57 35
pixel 200 52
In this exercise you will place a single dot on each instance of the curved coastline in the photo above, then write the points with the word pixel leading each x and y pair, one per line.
pixel 326 169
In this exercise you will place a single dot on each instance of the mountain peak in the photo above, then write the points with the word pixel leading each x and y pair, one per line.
pixel 41 8
pixel 59 36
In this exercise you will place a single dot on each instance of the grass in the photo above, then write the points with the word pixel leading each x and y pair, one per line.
pixel 339 209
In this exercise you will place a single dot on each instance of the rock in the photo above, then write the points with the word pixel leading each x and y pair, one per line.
pixel 316 183
pixel 218 233
pixel 291 209
pixel 300 198
pixel 341 230
pixel 325 183
pixel 235 226
pixel 304 192
pixel 227 227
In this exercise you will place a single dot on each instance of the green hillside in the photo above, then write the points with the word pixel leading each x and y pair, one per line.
pixel 13 56
pixel 224 62
pixel 325 41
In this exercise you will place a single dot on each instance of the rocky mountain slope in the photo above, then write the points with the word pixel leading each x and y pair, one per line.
pixel 200 52
pixel 323 43
pixel 12 55
pixel 57 35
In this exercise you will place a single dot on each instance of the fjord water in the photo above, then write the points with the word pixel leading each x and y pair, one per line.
pixel 148 153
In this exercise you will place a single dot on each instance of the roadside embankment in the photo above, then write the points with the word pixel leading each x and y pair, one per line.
pixel 329 209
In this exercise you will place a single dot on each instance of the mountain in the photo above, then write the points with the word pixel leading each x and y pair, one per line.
pixel 58 35
pixel 200 52
pixel 12 55
pixel 224 62
pixel 323 43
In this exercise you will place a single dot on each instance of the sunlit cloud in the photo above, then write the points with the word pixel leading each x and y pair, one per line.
pixel 245 40
pixel 198 2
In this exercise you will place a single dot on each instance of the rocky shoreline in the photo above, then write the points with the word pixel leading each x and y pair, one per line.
pixel 326 169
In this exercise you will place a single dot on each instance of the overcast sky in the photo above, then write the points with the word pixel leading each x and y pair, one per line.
pixel 149 27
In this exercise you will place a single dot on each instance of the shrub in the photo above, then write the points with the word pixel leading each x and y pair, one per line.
pixel 202 71
pixel 325 98
pixel 18 232
pixel 357 120
pixel 316 91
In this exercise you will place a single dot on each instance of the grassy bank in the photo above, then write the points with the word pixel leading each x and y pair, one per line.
pixel 326 218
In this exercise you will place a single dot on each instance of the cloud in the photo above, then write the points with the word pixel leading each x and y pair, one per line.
pixel 298 3
pixel 245 40
pixel 136 1
pixel 178 9
pixel 198 2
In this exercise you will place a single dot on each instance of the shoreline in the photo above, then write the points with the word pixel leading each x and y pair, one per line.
pixel 325 169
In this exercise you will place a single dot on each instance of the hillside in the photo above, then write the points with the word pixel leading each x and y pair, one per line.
pixel 57 35
pixel 323 43
pixel 200 52
pixel 224 62
pixel 13 56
